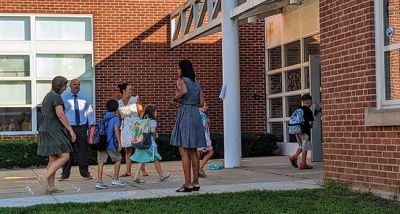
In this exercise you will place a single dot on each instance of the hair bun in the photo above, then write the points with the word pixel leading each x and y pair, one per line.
pixel 120 86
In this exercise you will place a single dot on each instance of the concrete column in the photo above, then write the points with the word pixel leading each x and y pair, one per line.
pixel 231 78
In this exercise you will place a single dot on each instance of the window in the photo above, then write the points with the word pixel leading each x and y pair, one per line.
pixel 287 82
pixel 15 28
pixel 34 49
pixel 387 35
pixel 63 29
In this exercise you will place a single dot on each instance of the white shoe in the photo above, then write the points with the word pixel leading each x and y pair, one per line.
pixel 137 180
pixel 117 182
pixel 165 177
pixel 101 186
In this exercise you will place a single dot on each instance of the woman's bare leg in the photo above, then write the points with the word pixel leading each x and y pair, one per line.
pixel 128 154
pixel 195 166
pixel 52 158
pixel 56 164
pixel 186 165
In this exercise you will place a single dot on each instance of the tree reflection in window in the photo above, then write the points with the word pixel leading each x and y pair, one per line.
pixel 276 83
pixel 293 80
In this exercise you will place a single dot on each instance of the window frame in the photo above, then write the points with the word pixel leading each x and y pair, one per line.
pixel 380 49
pixel 285 93
pixel 34 47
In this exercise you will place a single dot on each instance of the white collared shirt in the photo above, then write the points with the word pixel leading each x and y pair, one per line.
pixel 85 109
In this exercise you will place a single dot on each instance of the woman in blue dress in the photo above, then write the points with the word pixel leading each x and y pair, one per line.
pixel 188 133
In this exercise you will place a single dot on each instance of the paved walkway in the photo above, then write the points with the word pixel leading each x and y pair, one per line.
pixel 271 173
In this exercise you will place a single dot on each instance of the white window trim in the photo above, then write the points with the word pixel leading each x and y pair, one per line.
pixel 46 47
pixel 381 102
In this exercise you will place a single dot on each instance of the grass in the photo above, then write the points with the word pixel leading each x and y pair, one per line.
pixel 332 199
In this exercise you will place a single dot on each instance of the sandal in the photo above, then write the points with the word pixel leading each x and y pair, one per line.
pixel 56 190
pixel 196 188
pixel 184 189
pixel 43 183
pixel 125 175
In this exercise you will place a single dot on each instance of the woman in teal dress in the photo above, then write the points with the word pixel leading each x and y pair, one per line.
pixel 55 134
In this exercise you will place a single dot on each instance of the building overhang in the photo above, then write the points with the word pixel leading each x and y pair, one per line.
pixel 198 18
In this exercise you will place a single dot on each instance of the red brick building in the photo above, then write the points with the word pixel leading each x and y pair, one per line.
pixel 360 68
pixel 108 42
pixel 130 44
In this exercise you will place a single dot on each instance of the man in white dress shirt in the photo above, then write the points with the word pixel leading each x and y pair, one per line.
pixel 79 112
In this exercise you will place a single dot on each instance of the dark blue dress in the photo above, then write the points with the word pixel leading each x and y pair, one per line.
pixel 188 130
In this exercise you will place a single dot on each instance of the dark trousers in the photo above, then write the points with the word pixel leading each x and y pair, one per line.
pixel 81 148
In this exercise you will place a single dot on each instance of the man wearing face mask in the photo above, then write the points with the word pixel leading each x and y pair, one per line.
pixel 79 112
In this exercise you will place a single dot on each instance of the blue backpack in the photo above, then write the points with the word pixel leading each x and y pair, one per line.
pixel 295 121
pixel 98 134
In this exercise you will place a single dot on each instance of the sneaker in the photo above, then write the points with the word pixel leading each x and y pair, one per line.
pixel 137 180
pixel 117 182
pixel 64 178
pixel 100 185
pixel 165 177
pixel 305 166
pixel 293 161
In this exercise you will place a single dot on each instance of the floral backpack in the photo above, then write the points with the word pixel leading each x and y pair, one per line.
pixel 294 126
pixel 98 134
pixel 141 134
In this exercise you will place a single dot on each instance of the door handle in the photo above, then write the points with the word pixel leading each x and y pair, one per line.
pixel 316 109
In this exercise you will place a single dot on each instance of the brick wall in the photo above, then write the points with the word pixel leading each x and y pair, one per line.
pixel 131 45
pixel 367 157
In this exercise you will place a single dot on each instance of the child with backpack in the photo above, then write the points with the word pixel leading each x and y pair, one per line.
pixel 206 152
pixel 300 125
pixel 114 146
pixel 142 156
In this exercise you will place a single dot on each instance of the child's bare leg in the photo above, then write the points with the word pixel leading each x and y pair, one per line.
pixel 299 150
pixel 144 173
pixel 304 157
pixel 117 167
pixel 100 172
pixel 138 169
pixel 206 158
pixel 157 164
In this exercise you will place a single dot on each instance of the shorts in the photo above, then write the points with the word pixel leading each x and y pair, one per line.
pixel 103 155
pixel 205 149
pixel 304 142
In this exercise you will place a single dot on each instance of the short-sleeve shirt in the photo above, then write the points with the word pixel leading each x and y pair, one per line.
pixel 308 117
pixel 204 118
pixel 113 123
pixel 49 119
pixel 153 124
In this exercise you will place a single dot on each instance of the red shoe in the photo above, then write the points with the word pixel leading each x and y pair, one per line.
pixel 305 166
pixel 293 161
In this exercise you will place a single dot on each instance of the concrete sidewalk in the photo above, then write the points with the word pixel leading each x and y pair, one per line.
pixel 272 173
